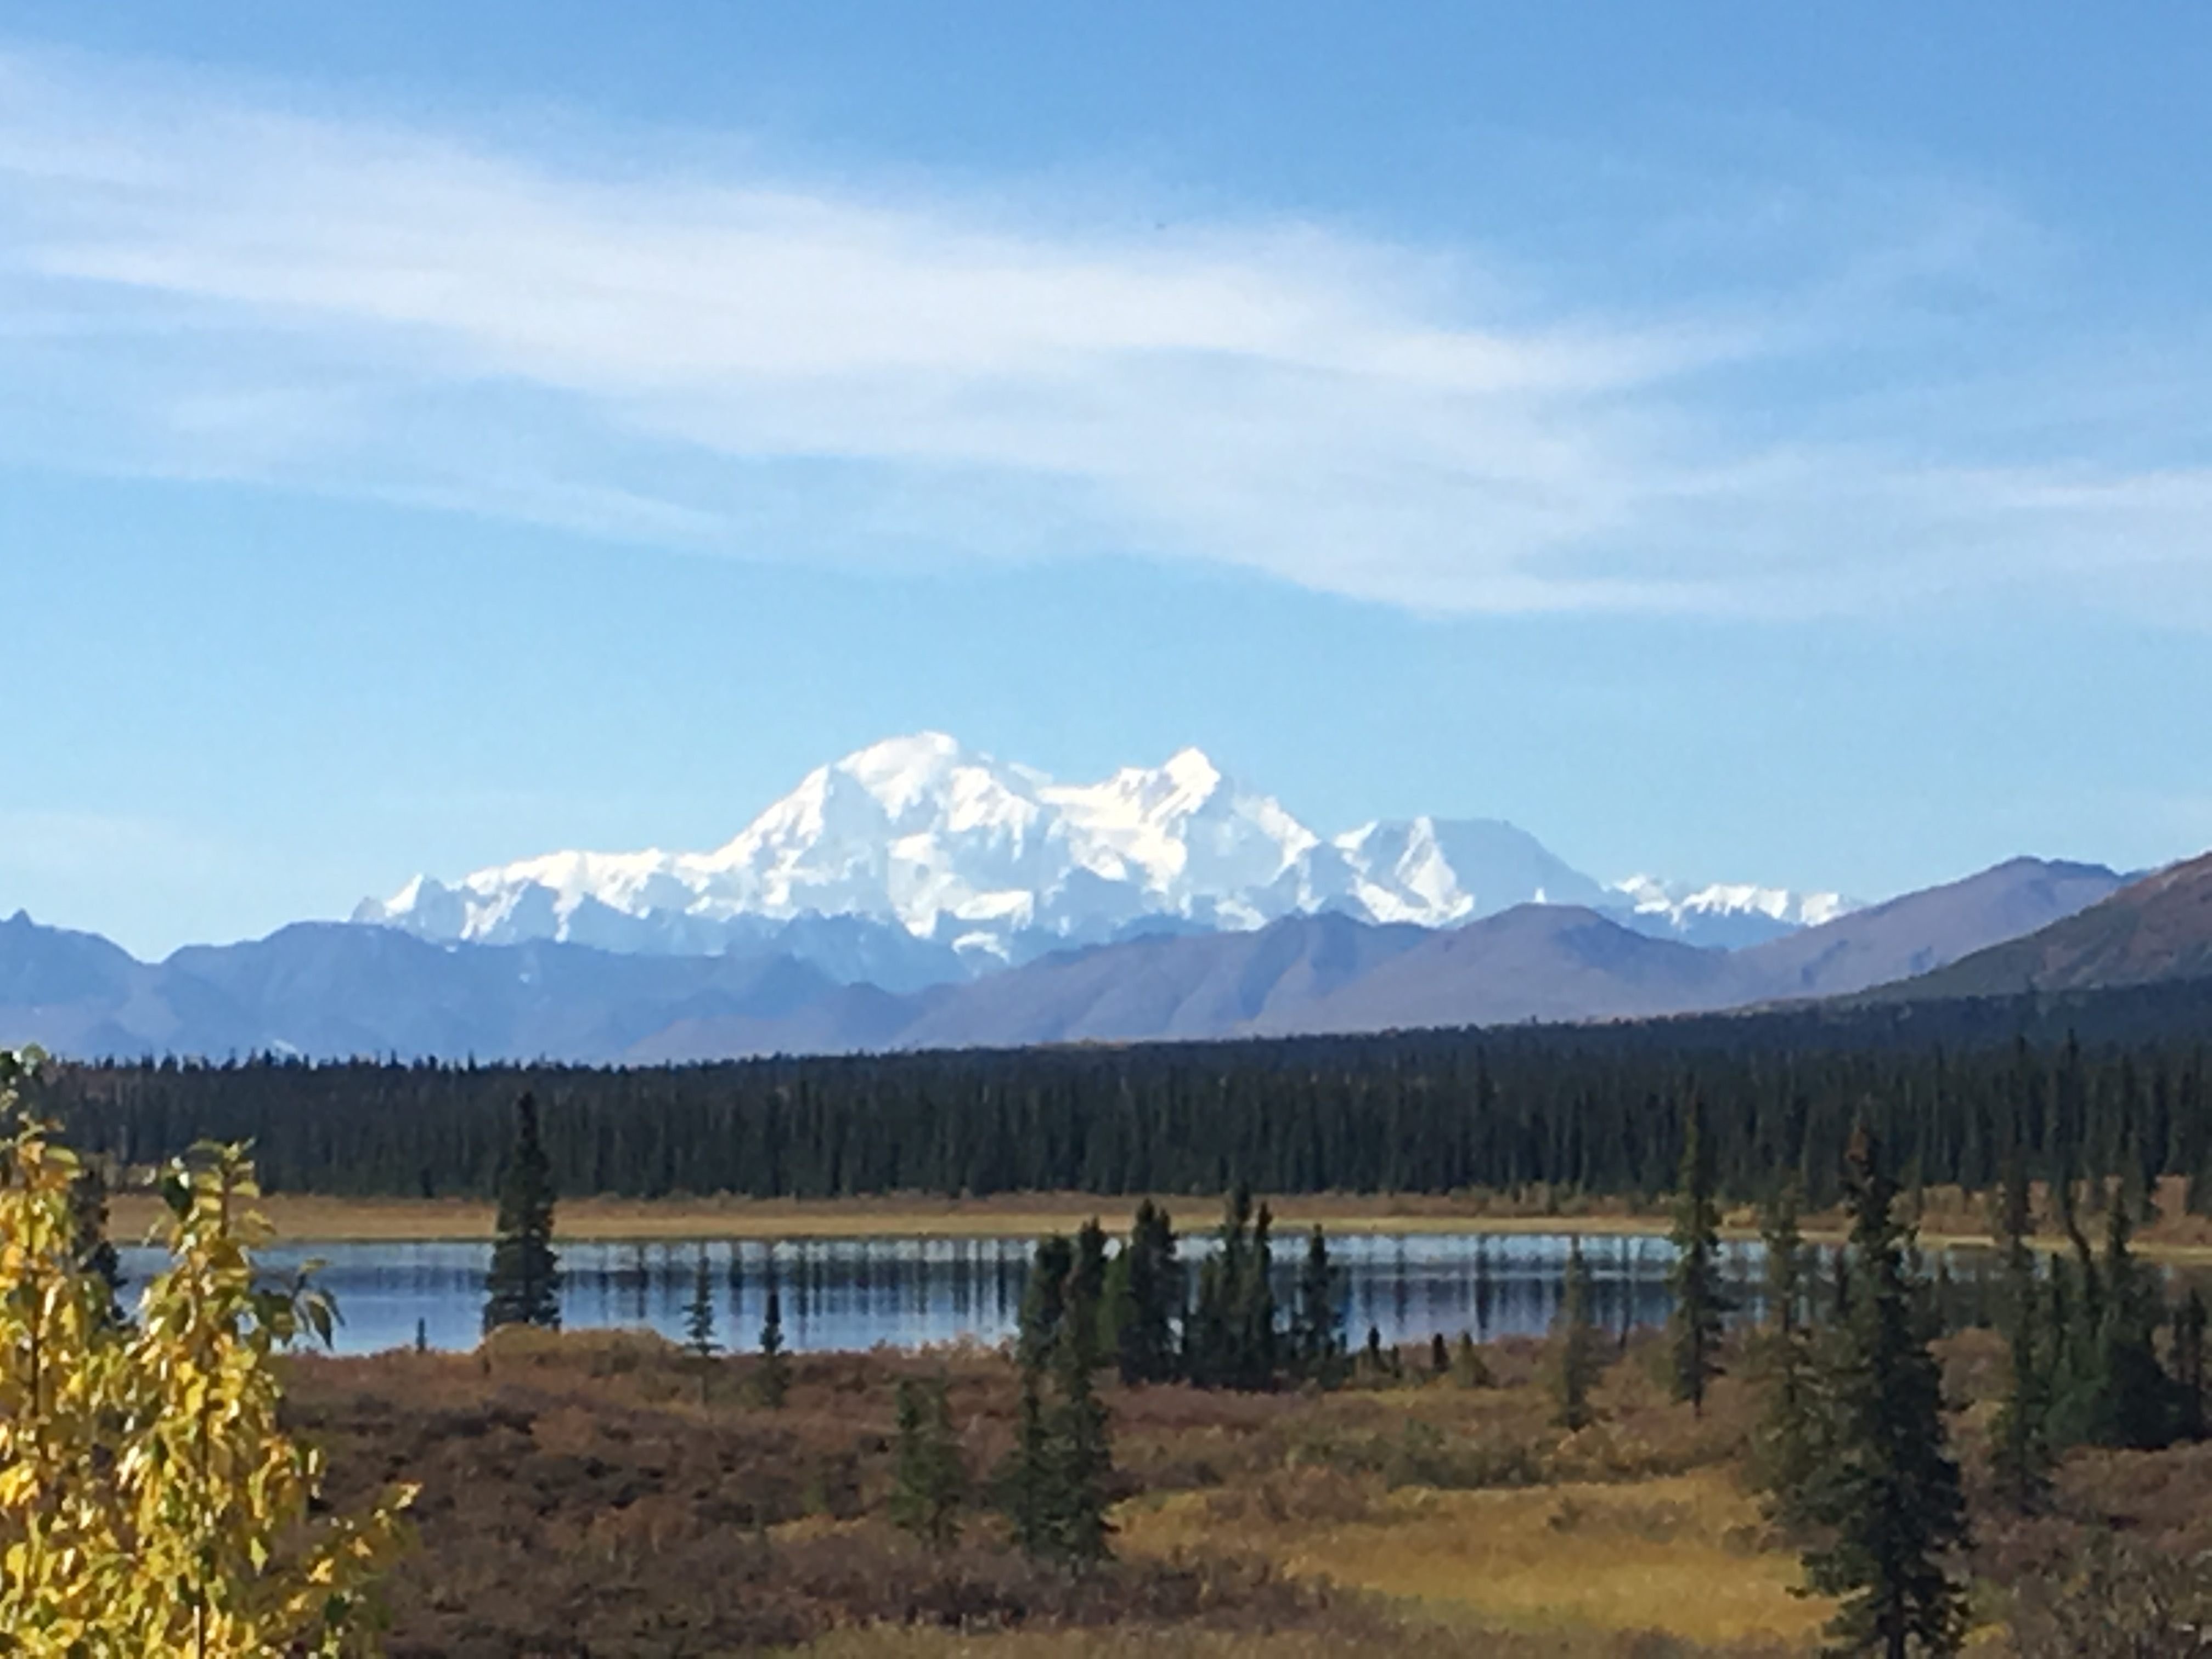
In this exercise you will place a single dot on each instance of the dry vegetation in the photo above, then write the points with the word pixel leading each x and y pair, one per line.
pixel 309 1216
pixel 607 1495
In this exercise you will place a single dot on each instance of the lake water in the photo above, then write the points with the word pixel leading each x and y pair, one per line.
pixel 849 1294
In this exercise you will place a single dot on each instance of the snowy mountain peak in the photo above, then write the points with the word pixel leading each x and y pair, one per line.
pixel 951 848
pixel 1726 913
pixel 1456 870
pixel 905 773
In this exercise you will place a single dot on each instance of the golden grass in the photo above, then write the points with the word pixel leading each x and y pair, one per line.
pixel 1949 1218
pixel 334 1220
pixel 1680 1553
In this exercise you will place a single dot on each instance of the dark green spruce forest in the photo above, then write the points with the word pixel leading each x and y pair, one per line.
pixel 2104 1084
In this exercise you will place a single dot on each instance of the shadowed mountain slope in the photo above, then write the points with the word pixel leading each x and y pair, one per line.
pixel 2153 931
pixel 1921 932
pixel 1536 962
pixel 1199 986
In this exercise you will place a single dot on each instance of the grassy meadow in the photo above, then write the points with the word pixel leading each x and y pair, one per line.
pixel 606 1494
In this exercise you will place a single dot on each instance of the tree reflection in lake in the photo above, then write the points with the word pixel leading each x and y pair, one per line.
pixel 856 1293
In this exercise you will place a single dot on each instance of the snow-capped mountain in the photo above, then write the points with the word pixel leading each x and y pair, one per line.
pixel 1729 916
pixel 979 862
pixel 1419 870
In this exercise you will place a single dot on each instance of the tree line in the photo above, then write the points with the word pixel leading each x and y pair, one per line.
pixel 1596 1111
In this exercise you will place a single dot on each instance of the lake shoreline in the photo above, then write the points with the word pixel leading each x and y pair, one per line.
pixel 317 1218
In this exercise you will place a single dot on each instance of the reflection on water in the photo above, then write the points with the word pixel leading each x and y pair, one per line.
pixel 846 1293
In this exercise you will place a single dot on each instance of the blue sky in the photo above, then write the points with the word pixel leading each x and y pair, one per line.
pixel 1735 442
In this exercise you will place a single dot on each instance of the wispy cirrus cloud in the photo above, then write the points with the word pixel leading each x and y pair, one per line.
pixel 728 357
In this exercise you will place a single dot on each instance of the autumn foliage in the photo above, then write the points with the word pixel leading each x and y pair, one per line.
pixel 150 1501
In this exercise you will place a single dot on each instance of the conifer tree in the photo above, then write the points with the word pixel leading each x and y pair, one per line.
pixel 699 1312
pixel 1888 1490
pixel 1254 1364
pixel 1088 1286
pixel 1044 1300
pixel 1028 1483
pixel 772 1377
pixel 1145 1347
pixel 930 1481
pixel 2074 1331
pixel 524 1285
pixel 2021 1455
pixel 1317 1321
pixel 1578 1360
pixel 1205 1333
pixel 2132 1402
pixel 1374 1360
pixel 1030 1501
pixel 1229 1337
pixel 1055 1487
pixel 1701 1301
pixel 1785 1445
pixel 1117 1307
pixel 1079 1451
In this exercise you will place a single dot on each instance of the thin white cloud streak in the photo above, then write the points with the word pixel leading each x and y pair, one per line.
pixel 197 285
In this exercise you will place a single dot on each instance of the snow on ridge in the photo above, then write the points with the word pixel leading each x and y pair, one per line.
pixel 996 862
pixel 1725 912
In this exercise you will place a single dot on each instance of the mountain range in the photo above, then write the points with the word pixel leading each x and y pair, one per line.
pixel 2153 931
pixel 917 893
pixel 942 863
pixel 335 989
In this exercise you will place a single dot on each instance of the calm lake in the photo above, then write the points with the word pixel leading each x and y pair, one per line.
pixel 908 1292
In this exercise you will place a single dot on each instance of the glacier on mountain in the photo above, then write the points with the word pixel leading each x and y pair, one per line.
pixel 936 859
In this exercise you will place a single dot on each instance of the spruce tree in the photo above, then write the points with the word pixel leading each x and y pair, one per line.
pixel 1701 1301
pixel 1205 1333
pixel 1044 1300
pixel 2075 1329
pixel 524 1285
pixel 772 1375
pixel 1146 1329
pixel 1222 1346
pixel 1374 1360
pixel 1254 1365
pixel 2132 1404
pixel 1888 1491
pixel 1079 1452
pixel 1118 1307
pixel 930 1478
pixel 1029 1499
pixel 699 1312
pixel 1055 1487
pixel 2021 1457
pixel 1028 1482
pixel 1785 1446
pixel 1317 1321
pixel 1087 1286
pixel 1576 1360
